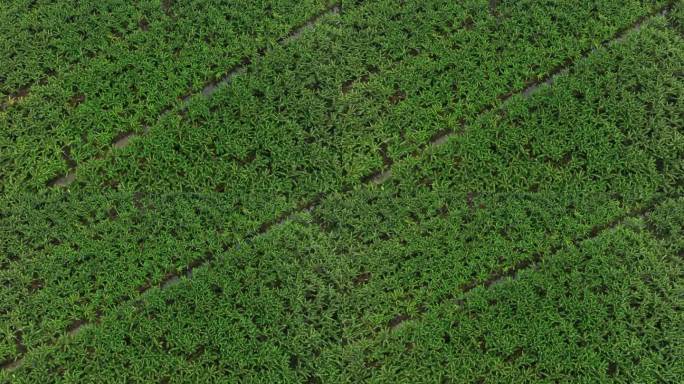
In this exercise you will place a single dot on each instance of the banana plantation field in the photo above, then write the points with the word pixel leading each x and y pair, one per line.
pixel 382 191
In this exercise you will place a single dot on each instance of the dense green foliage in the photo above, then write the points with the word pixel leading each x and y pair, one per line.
pixel 543 241
pixel 177 44
pixel 91 71
pixel 282 311
pixel 446 59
